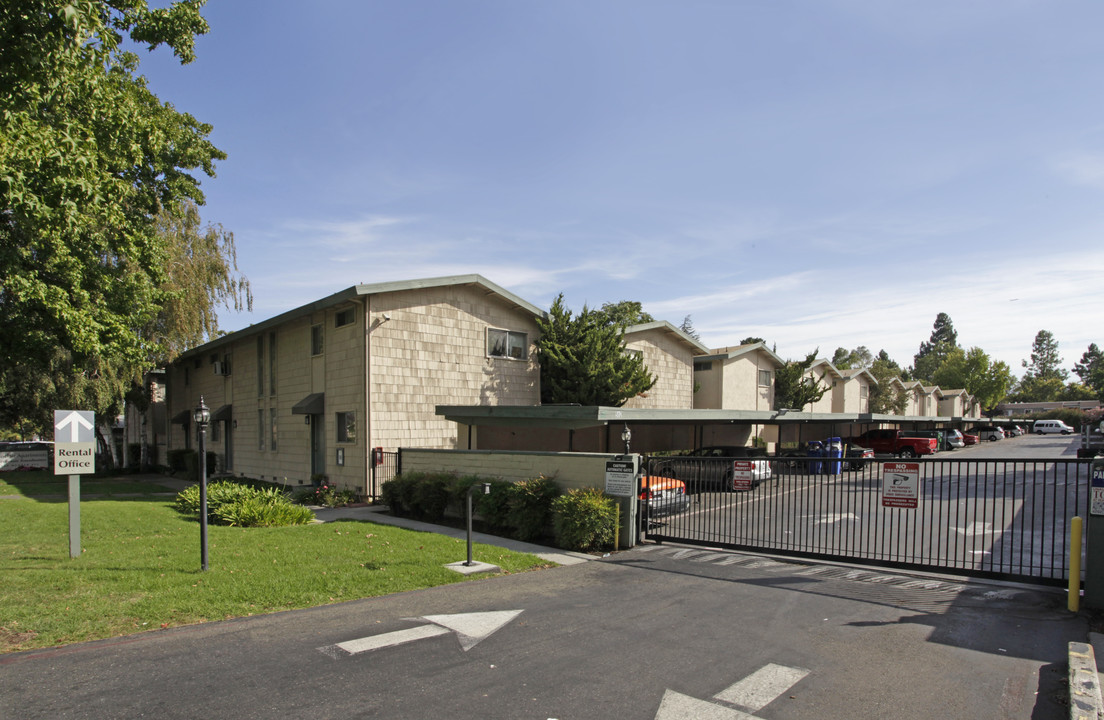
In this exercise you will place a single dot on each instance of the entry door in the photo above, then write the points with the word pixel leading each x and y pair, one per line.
pixel 318 444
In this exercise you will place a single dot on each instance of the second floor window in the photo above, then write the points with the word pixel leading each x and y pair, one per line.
pixel 507 344
pixel 764 378
pixel 316 339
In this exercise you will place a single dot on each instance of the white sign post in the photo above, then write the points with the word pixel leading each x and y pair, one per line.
pixel 74 455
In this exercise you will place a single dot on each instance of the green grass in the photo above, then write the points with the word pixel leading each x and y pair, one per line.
pixel 40 483
pixel 140 568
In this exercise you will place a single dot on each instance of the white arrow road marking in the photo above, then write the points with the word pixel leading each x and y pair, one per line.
pixel 978 528
pixel 759 689
pixel 470 629
pixel 753 693
pixel 676 706
pixel 71 421
pixel 832 518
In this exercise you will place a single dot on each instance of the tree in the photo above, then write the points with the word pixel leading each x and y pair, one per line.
pixel 583 360
pixel 932 353
pixel 688 328
pixel 885 397
pixel 794 389
pixel 623 314
pixel 1045 360
pixel 1091 370
pixel 752 340
pixel 89 158
pixel 972 370
pixel 845 359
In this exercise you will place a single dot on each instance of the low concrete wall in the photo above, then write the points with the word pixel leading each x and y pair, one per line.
pixel 568 470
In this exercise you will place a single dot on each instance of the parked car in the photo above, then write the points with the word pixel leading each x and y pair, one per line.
pixel 713 467
pixel 1012 431
pixel 1044 427
pixel 663 495
pixel 991 433
pixel 857 457
pixel 896 442
pixel 954 438
pixel 969 439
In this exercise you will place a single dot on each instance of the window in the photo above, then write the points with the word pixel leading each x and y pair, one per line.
pixel 316 339
pixel 507 344
pixel 261 429
pixel 700 365
pixel 764 378
pixel 346 427
pixel 345 317
pixel 260 368
pixel 272 428
pixel 864 391
pixel 272 363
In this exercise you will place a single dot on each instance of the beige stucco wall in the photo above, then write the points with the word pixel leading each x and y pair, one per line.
pixel 433 351
pixel 741 389
pixel 672 364
pixel 709 384
pixel 825 404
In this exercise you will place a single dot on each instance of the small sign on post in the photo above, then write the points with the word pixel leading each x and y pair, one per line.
pixel 743 472
pixel 901 485
pixel 74 455
pixel 1096 500
pixel 621 477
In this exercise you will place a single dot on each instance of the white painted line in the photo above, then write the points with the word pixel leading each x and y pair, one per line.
pixel 762 687
pixel 676 706
pixel 392 638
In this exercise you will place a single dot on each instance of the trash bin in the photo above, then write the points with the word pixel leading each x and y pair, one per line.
pixel 815 450
pixel 834 449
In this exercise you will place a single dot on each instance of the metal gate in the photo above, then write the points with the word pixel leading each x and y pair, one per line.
pixel 983 518
pixel 385 466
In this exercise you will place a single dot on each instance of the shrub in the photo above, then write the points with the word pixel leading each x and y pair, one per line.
pixel 584 519
pixel 493 507
pixel 530 507
pixel 398 493
pixel 243 504
pixel 432 494
pixel 328 496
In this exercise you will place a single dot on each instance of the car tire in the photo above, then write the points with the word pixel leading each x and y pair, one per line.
pixel 907 453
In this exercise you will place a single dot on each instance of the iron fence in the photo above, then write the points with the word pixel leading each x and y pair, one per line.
pixel 1007 519
pixel 385 466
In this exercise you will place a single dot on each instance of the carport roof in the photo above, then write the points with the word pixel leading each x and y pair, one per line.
pixel 574 417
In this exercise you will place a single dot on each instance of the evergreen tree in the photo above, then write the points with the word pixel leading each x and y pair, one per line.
pixel 583 360
pixel 886 398
pixel 793 389
pixel 932 353
pixel 1091 370
pixel 688 328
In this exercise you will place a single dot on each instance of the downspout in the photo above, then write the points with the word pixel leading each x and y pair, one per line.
pixel 369 456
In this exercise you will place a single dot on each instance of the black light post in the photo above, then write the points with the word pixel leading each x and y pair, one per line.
pixel 626 436
pixel 486 488
pixel 202 417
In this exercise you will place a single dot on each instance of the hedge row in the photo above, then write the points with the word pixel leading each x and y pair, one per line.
pixel 528 510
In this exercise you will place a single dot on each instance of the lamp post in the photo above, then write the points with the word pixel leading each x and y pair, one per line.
pixel 626 436
pixel 202 417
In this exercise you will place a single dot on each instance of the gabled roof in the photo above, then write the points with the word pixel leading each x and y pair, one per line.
pixel 728 353
pixel 363 290
pixel 852 373
pixel 822 362
pixel 695 347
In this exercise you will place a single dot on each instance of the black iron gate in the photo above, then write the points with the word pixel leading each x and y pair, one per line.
pixel 985 518
pixel 385 465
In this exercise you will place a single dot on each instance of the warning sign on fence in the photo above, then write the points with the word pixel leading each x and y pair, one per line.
pixel 900 485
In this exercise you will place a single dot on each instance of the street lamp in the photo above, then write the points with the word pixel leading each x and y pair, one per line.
pixel 626 436
pixel 202 417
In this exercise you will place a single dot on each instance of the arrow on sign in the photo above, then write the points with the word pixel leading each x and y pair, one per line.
pixel 470 629
pixel 72 420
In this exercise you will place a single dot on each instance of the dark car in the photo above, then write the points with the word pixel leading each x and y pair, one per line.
pixel 715 468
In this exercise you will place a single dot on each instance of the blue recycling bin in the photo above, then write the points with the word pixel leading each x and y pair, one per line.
pixel 815 450
pixel 834 449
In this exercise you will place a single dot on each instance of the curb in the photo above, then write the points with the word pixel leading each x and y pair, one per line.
pixel 1084 683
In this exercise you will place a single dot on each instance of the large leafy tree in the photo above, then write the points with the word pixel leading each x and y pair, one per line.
pixel 972 370
pixel 943 339
pixel 856 359
pixel 89 158
pixel 793 388
pixel 623 314
pixel 583 359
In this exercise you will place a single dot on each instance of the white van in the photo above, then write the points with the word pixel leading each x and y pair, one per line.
pixel 1051 426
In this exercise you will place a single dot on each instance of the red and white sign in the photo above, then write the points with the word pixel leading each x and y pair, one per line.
pixel 900 485
pixel 742 471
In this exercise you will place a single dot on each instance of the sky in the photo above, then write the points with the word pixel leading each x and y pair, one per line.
pixel 821 174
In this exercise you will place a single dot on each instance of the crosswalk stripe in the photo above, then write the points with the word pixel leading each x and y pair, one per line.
pixel 762 687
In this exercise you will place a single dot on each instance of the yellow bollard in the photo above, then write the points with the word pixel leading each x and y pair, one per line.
pixel 1075 566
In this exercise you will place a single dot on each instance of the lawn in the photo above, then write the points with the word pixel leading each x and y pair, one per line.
pixel 140 567
pixel 42 483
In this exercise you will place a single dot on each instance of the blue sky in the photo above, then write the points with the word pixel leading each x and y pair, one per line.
pixel 820 174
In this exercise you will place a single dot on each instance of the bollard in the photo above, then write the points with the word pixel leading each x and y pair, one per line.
pixel 1075 565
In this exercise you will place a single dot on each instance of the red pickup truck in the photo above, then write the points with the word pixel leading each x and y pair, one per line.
pixel 896 442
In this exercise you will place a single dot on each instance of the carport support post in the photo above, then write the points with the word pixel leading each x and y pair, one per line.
pixel 1094 546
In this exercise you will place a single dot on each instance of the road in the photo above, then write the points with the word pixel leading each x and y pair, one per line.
pixel 656 632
